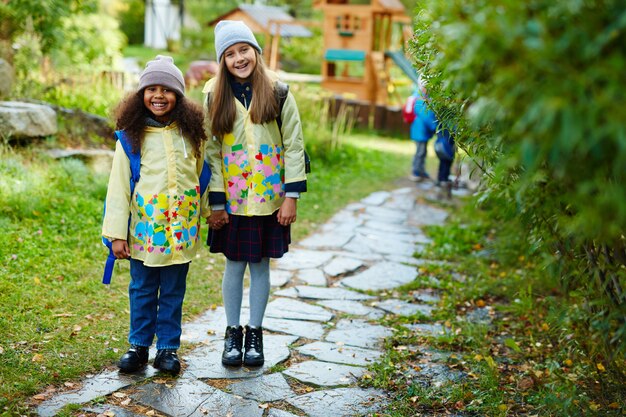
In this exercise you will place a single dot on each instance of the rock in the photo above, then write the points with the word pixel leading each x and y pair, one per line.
pixel 27 120
pixel 6 78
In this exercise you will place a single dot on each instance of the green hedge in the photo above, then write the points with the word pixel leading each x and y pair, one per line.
pixel 536 90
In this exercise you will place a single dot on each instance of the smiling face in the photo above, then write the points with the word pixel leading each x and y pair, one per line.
pixel 160 101
pixel 240 60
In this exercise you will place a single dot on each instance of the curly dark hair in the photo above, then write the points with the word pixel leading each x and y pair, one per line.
pixel 130 115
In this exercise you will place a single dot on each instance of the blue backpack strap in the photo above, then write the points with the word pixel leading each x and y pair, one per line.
pixel 205 177
pixel 135 168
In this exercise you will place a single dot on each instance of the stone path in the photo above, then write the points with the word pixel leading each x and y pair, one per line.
pixel 321 329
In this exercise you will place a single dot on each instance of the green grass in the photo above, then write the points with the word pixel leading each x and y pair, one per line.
pixel 57 321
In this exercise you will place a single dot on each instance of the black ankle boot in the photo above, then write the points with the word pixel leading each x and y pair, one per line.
pixel 167 361
pixel 233 342
pixel 134 359
pixel 254 347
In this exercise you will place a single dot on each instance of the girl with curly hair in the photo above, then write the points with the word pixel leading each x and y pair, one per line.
pixel 165 209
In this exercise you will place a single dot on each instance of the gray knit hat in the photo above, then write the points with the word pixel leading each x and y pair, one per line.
pixel 162 71
pixel 230 32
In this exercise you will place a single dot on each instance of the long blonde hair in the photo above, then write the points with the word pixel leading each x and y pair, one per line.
pixel 221 108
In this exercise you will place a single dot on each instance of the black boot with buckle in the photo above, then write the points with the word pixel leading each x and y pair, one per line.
pixel 167 361
pixel 233 346
pixel 134 359
pixel 253 355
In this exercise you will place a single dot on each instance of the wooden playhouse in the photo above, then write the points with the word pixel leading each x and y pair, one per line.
pixel 359 48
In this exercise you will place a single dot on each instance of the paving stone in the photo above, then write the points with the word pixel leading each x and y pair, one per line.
pixel 358 333
pixel 386 215
pixel 435 374
pixel 401 201
pixel 302 258
pixel 411 238
pixel 382 276
pixel 427 296
pixel 386 245
pixel 266 388
pixel 481 315
pixel 407 260
pixel 427 329
pixel 99 385
pixel 425 215
pixel 209 326
pixel 312 277
pixel 324 374
pixel 402 308
pixel 318 293
pixel 353 307
pixel 330 240
pixel 343 221
pixel 344 402
pixel 332 352
pixel 308 329
pixel 376 198
pixel 206 361
pixel 391 228
pixel 275 412
pixel 285 308
pixel 279 277
pixel 194 398
pixel 111 410
pixel 287 292
pixel 341 265
pixel 354 207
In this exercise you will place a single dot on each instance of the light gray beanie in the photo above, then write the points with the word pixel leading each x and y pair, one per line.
pixel 162 71
pixel 230 32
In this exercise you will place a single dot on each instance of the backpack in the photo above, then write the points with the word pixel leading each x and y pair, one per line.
pixel 408 110
pixel 281 91
pixel 135 168
pixel 444 145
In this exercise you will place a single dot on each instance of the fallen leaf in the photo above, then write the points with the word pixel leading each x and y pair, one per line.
pixel 600 367
pixel 119 395
pixel 525 383
pixel 42 397
pixel 37 357
pixel 568 362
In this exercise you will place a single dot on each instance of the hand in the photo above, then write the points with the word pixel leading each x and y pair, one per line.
pixel 287 211
pixel 120 249
pixel 217 219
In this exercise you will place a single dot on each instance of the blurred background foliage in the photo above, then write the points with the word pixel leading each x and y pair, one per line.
pixel 535 91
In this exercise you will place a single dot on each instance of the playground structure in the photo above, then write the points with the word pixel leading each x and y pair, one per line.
pixel 358 47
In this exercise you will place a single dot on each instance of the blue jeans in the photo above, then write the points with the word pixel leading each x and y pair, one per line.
pixel 419 158
pixel 444 170
pixel 156 304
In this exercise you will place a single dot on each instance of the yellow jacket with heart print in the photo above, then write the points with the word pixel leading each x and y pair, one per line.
pixel 254 162
pixel 166 207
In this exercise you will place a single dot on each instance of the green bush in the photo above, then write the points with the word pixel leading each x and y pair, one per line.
pixel 536 92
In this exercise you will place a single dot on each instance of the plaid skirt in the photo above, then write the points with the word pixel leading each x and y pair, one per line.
pixel 250 238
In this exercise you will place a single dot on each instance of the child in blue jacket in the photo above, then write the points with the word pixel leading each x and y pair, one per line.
pixel 422 129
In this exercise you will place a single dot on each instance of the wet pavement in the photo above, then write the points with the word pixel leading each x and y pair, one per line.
pixel 322 328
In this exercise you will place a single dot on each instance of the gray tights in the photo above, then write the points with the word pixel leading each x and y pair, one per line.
pixel 232 290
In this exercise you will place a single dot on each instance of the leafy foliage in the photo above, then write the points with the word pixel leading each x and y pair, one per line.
pixel 536 91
